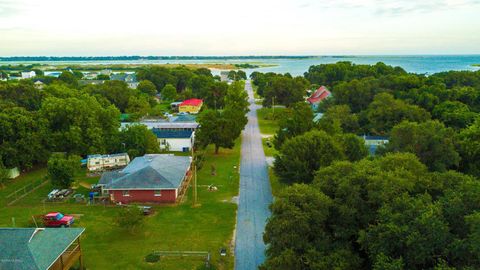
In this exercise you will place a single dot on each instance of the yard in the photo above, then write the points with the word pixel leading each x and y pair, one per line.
pixel 268 119
pixel 208 227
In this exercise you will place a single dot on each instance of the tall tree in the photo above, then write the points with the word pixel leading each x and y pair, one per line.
pixel 431 141
pixel 297 120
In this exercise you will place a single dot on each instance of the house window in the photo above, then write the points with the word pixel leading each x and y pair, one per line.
pixel 125 193
pixel 164 141
pixel 157 193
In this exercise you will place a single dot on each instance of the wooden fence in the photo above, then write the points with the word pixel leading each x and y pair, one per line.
pixel 24 191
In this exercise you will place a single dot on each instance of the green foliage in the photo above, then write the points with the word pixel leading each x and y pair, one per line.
pixel 385 112
pixel 430 141
pixel 137 140
pixel 338 119
pixel 147 87
pixel 237 75
pixel 130 218
pixel 117 92
pixel 468 145
pixel 103 77
pixel 283 90
pixel 68 78
pixel 4 173
pixel 295 121
pixel 302 155
pixel 62 168
pixel 222 128
pixel 454 114
pixel 383 213
pixel 169 92
pixel 79 125
pixel 152 258
pixel 331 74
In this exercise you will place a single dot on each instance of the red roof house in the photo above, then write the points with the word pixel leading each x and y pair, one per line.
pixel 192 105
pixel 319 95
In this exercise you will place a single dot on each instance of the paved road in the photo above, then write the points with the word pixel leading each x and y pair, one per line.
pixel 255 195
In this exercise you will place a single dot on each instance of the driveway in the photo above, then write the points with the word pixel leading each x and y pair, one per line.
pixel 255 194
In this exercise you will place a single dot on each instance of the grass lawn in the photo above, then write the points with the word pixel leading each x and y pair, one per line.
pixel 277 186
pixel 268 121
pixel 207 227
pixel 270 151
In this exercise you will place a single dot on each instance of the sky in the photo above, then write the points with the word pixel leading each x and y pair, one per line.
pixel 247 27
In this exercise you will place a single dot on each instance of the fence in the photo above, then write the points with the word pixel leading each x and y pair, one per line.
pixel 203 254
pixel 24 191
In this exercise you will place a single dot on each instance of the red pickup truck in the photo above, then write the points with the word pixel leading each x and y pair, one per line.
pixel 56 219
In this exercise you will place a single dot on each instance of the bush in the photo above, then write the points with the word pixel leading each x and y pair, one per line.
pixel 152 258
pixel 130 218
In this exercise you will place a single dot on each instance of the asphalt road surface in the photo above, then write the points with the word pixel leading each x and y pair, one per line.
pixel 255 194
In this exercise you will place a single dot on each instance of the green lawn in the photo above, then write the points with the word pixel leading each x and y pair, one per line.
pixel 268 119
pixel 277 186
pixel 207 227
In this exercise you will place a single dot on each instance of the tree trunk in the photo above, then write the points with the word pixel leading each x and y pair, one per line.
pixel 216 149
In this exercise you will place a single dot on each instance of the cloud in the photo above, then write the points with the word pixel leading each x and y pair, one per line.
pixel 397 7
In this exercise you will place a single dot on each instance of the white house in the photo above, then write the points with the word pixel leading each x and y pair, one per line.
pixel 175 140
pixel 373 142
pixel 103 162
pixel 39 85
pixel 28 74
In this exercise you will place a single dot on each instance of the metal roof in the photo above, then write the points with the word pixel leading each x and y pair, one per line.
pixel 172 134
pixel 32 248
pixel 153 171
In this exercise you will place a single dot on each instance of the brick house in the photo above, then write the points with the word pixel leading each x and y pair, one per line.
pixel 153 178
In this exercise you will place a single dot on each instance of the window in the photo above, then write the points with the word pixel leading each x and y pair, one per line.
pixel 97 163
pixel 157 193
pixel 125 193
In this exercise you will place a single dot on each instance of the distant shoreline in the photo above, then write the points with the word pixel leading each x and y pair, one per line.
pixel 140 58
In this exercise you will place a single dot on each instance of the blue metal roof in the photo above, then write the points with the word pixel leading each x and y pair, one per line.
pixel 172 134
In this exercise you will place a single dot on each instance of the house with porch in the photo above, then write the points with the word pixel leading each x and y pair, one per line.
pixel 40 248
pixel 153 178
pixel 130 79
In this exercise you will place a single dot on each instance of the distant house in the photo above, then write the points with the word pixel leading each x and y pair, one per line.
pixel 40 248
pixel 129 79
pixel 177 140
pixel 93 82
pixel 39 84
pixel 373 142
pixel 28 74
pixel 155 178
pixel 317 117
pixel 107 162
pixel 90 76
pixel 224 76
pixel 318 97
pixel 107 72
pixel 191 106
pixel 174 106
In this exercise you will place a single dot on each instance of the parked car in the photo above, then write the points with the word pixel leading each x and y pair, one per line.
pixel 56 219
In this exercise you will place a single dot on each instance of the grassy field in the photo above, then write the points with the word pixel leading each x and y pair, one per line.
pixel 207 227
pixel 277 186
pixel 268 120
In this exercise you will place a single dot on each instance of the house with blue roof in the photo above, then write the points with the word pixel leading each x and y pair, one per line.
pixel 177 140
pixel 153 178
pixel 373 142
pixel 40 248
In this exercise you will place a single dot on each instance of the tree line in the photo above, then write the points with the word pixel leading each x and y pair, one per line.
pixel 412 206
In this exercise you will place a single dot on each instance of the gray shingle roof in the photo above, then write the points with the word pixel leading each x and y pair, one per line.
pixel 154 171
pixel 21 249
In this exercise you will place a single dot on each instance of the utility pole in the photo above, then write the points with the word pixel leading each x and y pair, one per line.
pixel 273 107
